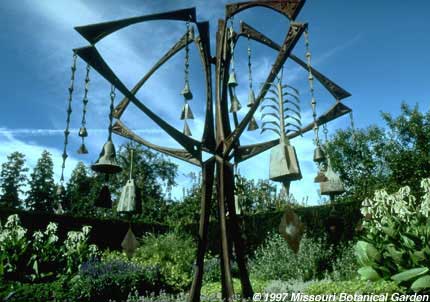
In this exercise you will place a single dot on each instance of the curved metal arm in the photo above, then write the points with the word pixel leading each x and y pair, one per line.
pixel 338 92
pixel 120 129
pixel 95 32
pixel 90 55
pixel 289 8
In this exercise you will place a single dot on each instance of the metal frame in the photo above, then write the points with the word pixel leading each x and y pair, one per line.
pixel 218 139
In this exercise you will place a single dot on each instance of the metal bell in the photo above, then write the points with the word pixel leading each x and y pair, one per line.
pixel 292 229
pixel 320 177
pixel 107 160
pixel 235 104
pixel 82 149
pixel 130 243
pixel 251 98
pixel 187 130
pixel 252 125
pixel 104 199
pixel 284 165
pixel 319 155
pixel 187 114
pixel 127 200
pixel 232 82
pixel 333 185
pixel 83 132
pixel 186 92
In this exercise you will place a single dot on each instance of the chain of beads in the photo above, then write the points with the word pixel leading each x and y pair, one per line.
pixel 69 112
pixel 112 100
pixel 249 64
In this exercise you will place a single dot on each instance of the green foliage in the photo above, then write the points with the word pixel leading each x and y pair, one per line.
pixel 290 286
pixel 12 179
pixel 81 191
pixel 276 261
pixel 43 257
pixel 37 292
pixel 396 245
pixel 41 195
pixel 354 287
pixel 172 253
pixel 114 280
pixel 344 266
pixel 375 158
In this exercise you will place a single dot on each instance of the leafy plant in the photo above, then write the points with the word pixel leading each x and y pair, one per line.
pixel 396 245
pixel 354 287
pixel 275 260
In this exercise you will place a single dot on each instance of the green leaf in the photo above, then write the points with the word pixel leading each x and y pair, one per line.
pixel 409 274
pixel 421 283
pixel 368 273
pixel 366 253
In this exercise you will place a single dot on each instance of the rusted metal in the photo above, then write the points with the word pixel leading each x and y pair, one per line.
pixel 289 8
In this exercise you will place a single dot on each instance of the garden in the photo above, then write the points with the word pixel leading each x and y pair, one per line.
pixel 374 239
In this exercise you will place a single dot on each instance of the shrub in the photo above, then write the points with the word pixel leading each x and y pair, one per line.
pixel 46 292
pixel 396 245
pixel 345 266
pixel 354 287
pixel 101 281
pixel 296 286
pixel 276 261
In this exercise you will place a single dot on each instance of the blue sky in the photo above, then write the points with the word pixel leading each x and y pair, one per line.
pixel 377 50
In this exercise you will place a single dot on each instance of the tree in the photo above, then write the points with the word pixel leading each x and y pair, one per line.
pixel 376 158
pixel 79 193
pixel 41 195
pixel 12 179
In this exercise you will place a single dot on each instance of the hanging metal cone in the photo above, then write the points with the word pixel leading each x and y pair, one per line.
pixel 83 132
pixel 187 130
pixel 104 199
pixel 186 92
pixel 251 98
pixel 292 229
pixel 333 185
pixel 187 114
pixel 130 243
pixel 127 200
pixel 235 104
pixel 107 160
pixel 319 155
pixel 284 165
pixel 82 149
pixel 252 125
pixel 232 82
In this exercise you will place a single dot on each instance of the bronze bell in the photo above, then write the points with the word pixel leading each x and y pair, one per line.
pixel 187 130
pixel 187 114
pixel 104 199
pixel 232 82
pixel 319 155
pixel 107 160
pixel 252 125
pixel 186 92
pixel 82 149
pixel 333 185
pixel 127 200
pixel 83 132
pixel 251 98
pixel 235 104
pixel 292 229
pixel 284 165
pixel 130 243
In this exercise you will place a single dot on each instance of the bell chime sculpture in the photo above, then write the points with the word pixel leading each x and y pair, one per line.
pixel 221 137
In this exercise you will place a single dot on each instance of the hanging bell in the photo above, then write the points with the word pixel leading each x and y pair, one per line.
pixel 333 185
pixel 107 160
pixel 187 130
pixel 82 149
pixel 83 132
pixel 235 104
pixel 127 200
pixel 232 82
pixel 130 243
pixel 104 199
pixel 186 92
pixel 237 205
pixel 187 114
pixel 320 177
pixel 319 155
pixel 251 98
pixel 284 165
pixel 292 229
pixel 252 125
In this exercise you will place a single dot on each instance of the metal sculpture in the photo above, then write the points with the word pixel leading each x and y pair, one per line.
pixel 219 138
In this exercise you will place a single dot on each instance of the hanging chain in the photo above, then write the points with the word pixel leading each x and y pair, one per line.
pixel 311 87
pixel 187 54
pixel 325 130
pixel 85 99
pixel 69 112
pixel 231 36
pixel 351 117
pixel 112 100
pixel 249 64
